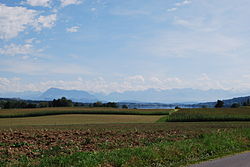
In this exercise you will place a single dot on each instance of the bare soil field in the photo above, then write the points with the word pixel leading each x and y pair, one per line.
pixel 39 141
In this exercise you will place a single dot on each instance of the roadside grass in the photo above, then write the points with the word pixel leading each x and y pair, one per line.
pixel 15 113
pixel 210 114
pixel 170 154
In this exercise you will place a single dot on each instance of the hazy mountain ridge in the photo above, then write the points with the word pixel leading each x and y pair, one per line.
pixel 31 95
pixel 74 95
pixel 186 95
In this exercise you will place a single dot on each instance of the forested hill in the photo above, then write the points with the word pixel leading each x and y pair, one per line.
pixel 228 102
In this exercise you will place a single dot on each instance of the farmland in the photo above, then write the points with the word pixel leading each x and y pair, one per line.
pixel 103 138
pixel 14 113
pixel 210 114
pixel 71 119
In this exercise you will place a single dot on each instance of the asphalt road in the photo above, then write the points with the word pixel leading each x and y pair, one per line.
pixel 238 160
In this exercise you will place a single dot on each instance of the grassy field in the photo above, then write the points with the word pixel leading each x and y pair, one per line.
pixel 210 114
pixel 14 113
pixel 71 119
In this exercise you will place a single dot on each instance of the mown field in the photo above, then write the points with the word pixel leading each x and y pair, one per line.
pixel 14 113
pixel 103 138
pixel 210 114
pixel 71 119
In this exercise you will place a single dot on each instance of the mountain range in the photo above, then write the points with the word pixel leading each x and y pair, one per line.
pixel 74 95
pixel 186 95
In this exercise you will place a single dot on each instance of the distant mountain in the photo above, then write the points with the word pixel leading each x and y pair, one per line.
pixel 186 95
pixel 74 95
pixel 29 95
pixel 228 102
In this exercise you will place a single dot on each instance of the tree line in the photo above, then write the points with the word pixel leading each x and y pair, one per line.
pixel 220 104
pixel 61 102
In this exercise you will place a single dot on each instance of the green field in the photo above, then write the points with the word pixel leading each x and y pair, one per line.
pixel 119 137
pixel 14 113
pixel 71 119
pixel 210 114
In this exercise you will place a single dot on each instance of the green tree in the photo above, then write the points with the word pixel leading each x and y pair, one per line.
pixel 98 104
pixel 204 106
pixel 177 107
pixel 63 102
pixel 43 104
pixel 124 106
pixel 219 104
pixel 235 105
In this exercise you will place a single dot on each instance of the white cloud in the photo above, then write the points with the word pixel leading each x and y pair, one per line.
pixel 185 2
pixel 31 40
pixel 129 83
pixel 197 24
pixel 100 84
pixel 45 22
pixel 14 20
pixel 93 9
pixel 70 2
pixel 14 49
pixel 44 3
pixel 135 78
pixel 179 4
pixel 171 9
pixel 155 80
pixel 73 29
pixel 10 84
pixel 204 77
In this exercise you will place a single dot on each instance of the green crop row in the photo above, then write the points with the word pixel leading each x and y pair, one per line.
pixel 199 115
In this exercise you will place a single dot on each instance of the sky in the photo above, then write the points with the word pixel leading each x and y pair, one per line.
pixel 116 45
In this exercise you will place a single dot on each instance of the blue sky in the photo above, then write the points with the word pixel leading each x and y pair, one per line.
pixel 116 45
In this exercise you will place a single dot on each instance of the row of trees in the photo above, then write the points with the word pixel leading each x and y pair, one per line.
pixel 11 103
pixel 62 102
pixel 100 104
pixel 16 104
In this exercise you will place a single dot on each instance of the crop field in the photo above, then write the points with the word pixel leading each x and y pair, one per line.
pixel 210 114
pixel 13 113
pixel 165 144
pixel 70 119
pixel 107 137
